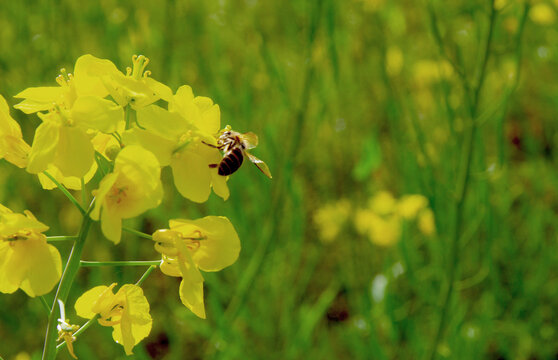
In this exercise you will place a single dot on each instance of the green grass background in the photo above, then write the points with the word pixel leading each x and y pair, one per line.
pixel 336 119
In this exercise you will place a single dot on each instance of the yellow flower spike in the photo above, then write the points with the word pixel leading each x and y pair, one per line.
pixel 133 187
pixel 127 312
pixel 12 146
pixel 210 244
pixel 409 205
pixel 27 261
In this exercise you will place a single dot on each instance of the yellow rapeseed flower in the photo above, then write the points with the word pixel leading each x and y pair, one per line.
pixel 425 222
pixel 542 14
pixel 27 261
pixel 127 312
pixel 330 219
pixel 132 188
pixel 209 244
pixel 12 146
pixel 408 206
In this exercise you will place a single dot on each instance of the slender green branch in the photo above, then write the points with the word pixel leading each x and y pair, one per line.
pixel 119 263
pixel 61 238
pixel 65 192
pixel 45 303
pixel 461 190
pixel 72 266
pixel 137 233
pixel 83 193
pixel 146 273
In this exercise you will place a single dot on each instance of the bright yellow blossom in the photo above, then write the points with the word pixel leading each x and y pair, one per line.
pixel 381 230
pixel 127 312
pixel 135 87
pixel 12 146
pixel 27 261
pixel 425 222
pixel 383 203
pixel 209 244
pixel 132 188
pixel 179 138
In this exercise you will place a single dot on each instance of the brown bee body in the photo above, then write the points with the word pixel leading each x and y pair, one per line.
pixel 234 146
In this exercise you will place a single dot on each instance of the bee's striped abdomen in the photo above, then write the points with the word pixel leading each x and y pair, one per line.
pixel 231 162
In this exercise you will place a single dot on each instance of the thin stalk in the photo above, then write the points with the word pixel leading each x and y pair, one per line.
pixel 119 263
pixel 146 273
pixel 137 233
pixel 72 266
pixel 61 238
pixel 83 193
pixel 462 188
pixel 65 192
pixel 45 303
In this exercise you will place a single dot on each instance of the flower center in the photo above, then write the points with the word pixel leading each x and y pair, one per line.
pixel 118 194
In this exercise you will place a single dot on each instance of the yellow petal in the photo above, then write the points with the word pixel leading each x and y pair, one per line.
pixel 70 182
pixel 88 72
pixel 44 269
pixel 191 295
pixel 111 225
pixel 161 147
pixel 74 153
pixel 85 302
pixel 11 223
pixel 38 98
pixel 210 120
pixel 135 322
pixel 409 205
pixel 163 91
pixel 43 150
pixel 8 284
pixel 100 194
pixel 192 176
pixel 162 122
pixel 93 112
pixel 383 203
pixel 170 270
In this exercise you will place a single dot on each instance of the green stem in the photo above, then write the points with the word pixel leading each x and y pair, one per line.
pixel 45 303
pixel 61 238
pixel 83 193
pixel 146 274
pixel 72 266
pixel 137 233
pixel 461 193
pixel 65 192
pixel 119 263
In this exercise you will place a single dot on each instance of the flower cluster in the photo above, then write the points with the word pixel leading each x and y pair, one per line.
pixel 124 126
pixel 381 221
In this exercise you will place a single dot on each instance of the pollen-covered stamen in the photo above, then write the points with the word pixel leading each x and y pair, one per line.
pixel 113 316
pixel 193 241
pixel 139 64
pixel 118 194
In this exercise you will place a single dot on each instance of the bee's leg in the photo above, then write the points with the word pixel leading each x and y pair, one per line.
pixel 213 146
pixel 213 166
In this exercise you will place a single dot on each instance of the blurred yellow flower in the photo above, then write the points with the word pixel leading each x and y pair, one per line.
pixel 330 219
pixel 408 206
pixel 383 203
pixel 426 222
pixel 127 312
pixel 133 187
pixel 427 72
pixel 12 146
pixel 542 14
pixel 209 244
pixel 27 261
pixel 381 230
pixel 394 60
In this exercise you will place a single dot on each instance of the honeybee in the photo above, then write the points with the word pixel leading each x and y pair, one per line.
pixel 235 147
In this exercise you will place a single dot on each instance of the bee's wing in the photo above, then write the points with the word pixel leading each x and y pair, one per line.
pixel 259 163
pixel 250 139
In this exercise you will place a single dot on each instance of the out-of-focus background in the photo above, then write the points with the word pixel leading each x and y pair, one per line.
pixel 357 104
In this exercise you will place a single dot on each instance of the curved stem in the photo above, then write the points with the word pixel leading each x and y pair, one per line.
pixel 65 192
pixel 72 266
pixel 137 233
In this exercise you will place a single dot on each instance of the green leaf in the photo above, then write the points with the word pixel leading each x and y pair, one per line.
pixel 370 160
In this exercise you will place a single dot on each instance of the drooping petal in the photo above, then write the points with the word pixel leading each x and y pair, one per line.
pixel 74 153
pixel 43 150
pixel 88 72
pixel 192 176
pixel 111 225
pixel 101 193
pixel 191 286
pixel 7 286
pixel 161 147
pixel 44 268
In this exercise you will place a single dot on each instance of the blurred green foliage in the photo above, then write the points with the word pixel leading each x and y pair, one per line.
pixel 349 98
